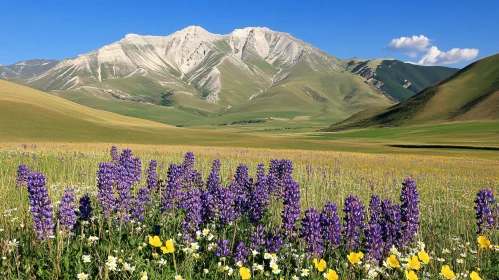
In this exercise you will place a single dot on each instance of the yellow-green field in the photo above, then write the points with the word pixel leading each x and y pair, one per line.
pixel 447 188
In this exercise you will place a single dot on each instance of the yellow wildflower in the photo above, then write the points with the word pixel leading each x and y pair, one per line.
pixel 483 241
pixel 355 258
pixel 169 247
pixel 244 273
pixel 411 275
pixel 413 263
pixel 447 272
pixel 320 265
pixel 155 241
pixel 423 256
pixel 331 275
pixel 475 276
pixel 392 261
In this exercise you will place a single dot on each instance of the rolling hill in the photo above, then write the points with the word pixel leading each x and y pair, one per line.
pixel 469 95
pixel 194 77
pixel 28 115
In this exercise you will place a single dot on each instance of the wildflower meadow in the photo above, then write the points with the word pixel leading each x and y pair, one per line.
pixel 94 211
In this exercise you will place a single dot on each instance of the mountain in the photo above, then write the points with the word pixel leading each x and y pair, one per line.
pixel 194 77
pixel 471 94
pixel 398 79
pixel 27 68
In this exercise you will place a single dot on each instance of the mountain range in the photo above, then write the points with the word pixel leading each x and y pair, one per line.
pixel 469 95
pixel 194 77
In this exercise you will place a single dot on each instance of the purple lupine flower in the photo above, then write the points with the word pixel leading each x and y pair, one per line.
pixel 85 208
pixel 114 155
pixel 123 188
pixel 374 243
pixel 226 203
pixel 152 175
pixel 171 193
pixel 274 241
pixel 291 211
pixel 257 238
pixel 353 222
pixel 240 254
pixel 41 210
pixel 209 197
pixel 391 225
pixel 310 231
pixel 142 199
pixel 213 182
pixel 193 217
pixel 223 248
pixel 375 211
pixel 272 180
pixel 409 212
pixel 188 166
pixel 105 184
pixel 331 227
pixel 67 215
pixel 132 166
pixel 484 203
pixel 22 175
pixel 374 240
pixel 258 197
pixel 240 187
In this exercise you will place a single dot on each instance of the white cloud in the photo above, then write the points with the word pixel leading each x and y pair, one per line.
pixel 410 44
pixel 434 56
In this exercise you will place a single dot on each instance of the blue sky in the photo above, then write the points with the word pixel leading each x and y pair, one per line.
pixel 365 29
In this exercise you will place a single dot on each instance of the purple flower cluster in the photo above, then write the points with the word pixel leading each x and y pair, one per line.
pixel 223 248
pixel 226 206
pixel 114 154
pixel 330 225
pixel 257 238
pixel 291 212
pixel 391 225
pixel 193 217
pixel 142 199
pixel 67 215
pixel 258 197
pixel 170 195
pixel 105 186
pixel 409 211
pixel 132 167
pixel 85 208
pixel 310 232
pixel 22 175
pixel 353 222
pixel 152 175
pixel 41 209
pixel 240 254
pixel 274 241
pixel 484 207
pixel 373 233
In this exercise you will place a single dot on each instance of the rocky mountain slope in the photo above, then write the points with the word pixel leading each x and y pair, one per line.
pixel 252 72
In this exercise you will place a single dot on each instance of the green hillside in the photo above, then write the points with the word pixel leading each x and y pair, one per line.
pixel 398 79
pixel 471 94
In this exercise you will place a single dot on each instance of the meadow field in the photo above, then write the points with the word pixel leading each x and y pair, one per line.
pixel 447 187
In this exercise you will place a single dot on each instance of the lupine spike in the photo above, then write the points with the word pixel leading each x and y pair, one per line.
pixel 311 232
pixel 67 215
pixel 22 175
pixel 409 211
pixel 484 207
pixel 330 225
pixel 353 222
pixel 41 209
